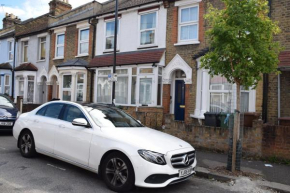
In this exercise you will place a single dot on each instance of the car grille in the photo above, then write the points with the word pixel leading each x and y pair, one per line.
pixel 183 160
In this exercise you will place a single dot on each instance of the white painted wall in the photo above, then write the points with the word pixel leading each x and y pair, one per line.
pixel 128 38
pixel 33 55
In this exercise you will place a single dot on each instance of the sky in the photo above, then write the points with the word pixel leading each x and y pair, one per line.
pixel 26 9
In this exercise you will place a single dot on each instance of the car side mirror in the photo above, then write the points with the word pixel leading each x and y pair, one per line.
pixel 139 121
pixel 80 122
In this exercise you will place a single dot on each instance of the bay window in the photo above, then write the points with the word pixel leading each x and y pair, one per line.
pixel 216 94
pixel 42 48
pixel 10 50
pixel 83 47
pixel 140 86
pixel 148 28
pixel 110 34
pixel 59 47
pixel 67 88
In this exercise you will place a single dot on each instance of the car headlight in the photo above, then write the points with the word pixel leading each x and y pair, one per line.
pixel 153 157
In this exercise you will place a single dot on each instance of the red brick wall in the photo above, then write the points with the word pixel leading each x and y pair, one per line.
pixel 166 98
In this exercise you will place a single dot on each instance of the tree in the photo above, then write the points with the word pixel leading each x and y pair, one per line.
pixel 241 47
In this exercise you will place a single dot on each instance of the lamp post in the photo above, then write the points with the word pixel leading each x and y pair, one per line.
pixel 115 53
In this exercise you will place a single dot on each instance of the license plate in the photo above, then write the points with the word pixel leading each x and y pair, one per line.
pixel 6 123
pixel 185 172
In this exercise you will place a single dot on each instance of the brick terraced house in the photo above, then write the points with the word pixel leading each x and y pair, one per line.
pixel 68 54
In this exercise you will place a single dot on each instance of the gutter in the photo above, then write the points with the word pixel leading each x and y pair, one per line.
pixel 13 68
pixel 93 22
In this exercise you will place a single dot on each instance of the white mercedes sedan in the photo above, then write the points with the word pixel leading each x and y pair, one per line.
pixel 107 141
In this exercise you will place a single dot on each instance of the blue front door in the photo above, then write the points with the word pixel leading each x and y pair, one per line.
pixel 179 100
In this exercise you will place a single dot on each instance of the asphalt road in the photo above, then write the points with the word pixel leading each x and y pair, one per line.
pixel 44 174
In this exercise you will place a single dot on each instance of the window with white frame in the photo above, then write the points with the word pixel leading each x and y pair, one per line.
pixel 25 51
pixel 110 34
pixel 216 94
pixel 42 48
pixel 188 23
pixel 30 89
pixel 83 47
pixel 80 87
pixel 59 46
pixel 104 90
pixel 148 28
pixel 7 84
pixel 10 51
pixel 21 86
pixel 122 86
pixel 141 86
pixel 67 87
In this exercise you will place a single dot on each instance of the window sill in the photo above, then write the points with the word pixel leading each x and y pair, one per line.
pixel 109 51
pixel 147 46
pixel 83 55
pixel 197 116
pixel 187 43
pixel 40 61
pixel 9 61
pixel 58 58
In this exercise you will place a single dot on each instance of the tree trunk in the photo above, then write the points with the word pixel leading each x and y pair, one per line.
pixel 236 131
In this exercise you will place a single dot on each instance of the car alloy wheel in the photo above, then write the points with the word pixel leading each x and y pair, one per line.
pixel 26 143
pixel 117 172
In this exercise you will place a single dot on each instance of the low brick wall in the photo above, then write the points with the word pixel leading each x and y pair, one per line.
pixel 276 141
pixel 215 138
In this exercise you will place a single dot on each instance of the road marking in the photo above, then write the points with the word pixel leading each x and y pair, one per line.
pixel 3 148
pixel 56 167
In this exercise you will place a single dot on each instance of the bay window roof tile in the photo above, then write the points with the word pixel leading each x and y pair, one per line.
pixel 26 67
pixel 5 66
pixel 75 62
pixel 128 58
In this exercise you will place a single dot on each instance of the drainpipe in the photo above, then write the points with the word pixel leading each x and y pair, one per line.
pixel 93 22
pixel 279 97
pixel 13 68
pixel 266 83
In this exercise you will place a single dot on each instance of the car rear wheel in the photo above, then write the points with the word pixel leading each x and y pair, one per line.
pixel 118 172
pixel 26 144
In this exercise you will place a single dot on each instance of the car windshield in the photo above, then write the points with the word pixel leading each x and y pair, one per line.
pixel 108 117
pixel 5 102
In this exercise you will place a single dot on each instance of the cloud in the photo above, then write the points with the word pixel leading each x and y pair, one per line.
pixel 32 8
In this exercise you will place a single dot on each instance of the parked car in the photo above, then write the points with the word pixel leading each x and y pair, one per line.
pixel 107 141
pixel 8 113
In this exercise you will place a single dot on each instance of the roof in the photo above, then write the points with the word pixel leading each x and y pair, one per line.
pixel 75 62
pixel 109 6
pixel 128 58
pixel 26 67
pixel 201 53
pixel 284 58
pixel 5 66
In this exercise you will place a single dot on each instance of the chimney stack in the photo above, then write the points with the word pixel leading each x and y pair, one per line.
pixel 57 7
pixel 9 20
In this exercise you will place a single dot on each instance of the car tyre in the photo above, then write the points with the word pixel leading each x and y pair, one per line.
pixel 27 145
pixel 118 172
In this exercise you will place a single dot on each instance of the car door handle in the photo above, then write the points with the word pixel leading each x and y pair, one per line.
pixel 61 126
pixel 36 121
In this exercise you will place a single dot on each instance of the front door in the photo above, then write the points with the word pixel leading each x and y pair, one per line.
pixel 179 100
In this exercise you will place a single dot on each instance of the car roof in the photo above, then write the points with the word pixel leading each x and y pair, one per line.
pixel 92 105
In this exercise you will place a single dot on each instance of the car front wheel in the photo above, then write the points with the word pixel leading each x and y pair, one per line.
pixel 118 172
pixel 26 144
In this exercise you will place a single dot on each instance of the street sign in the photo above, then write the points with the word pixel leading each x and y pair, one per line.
pixel 112 77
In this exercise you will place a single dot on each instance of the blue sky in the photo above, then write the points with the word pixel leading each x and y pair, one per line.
pixel 26 9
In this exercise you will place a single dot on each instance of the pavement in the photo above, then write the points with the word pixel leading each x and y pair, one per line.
pixel 43 174
pixel 277 173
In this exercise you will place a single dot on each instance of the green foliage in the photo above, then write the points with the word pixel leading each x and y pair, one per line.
pixel 241 42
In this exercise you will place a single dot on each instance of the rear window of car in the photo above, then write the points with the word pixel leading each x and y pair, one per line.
pixel 5 102
pixel 107 117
